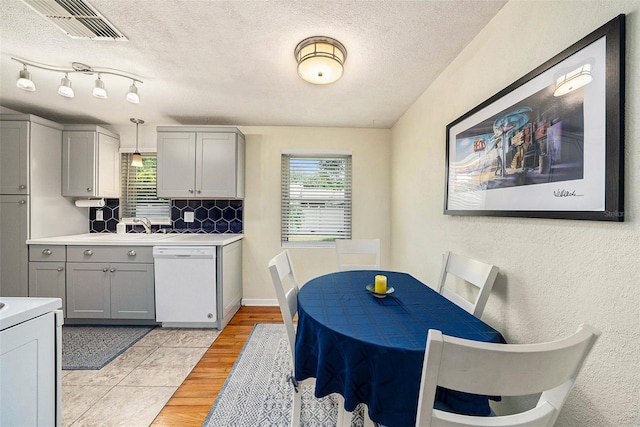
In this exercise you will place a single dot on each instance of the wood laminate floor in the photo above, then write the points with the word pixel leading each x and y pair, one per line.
pixel 191 402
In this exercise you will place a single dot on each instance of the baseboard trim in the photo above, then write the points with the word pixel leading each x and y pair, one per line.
pixel 258 302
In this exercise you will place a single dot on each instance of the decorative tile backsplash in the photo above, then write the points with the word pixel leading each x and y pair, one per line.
pixel 210 216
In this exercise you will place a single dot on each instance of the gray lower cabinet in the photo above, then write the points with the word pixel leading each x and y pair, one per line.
pixel 109 289
pixel 47 272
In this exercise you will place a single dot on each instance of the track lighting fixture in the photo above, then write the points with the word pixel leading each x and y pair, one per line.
pixel 132 95
pixel 99 91
pixel 65 87
pixel 24 81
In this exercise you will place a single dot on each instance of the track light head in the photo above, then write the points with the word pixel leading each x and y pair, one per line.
pixel 132 95
pixel 25 82
pixel 65 87
pixel 99 90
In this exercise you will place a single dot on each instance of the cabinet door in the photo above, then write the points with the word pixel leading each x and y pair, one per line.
pixel 47 280
pixel 176 164
pixel 216 165
pixel 132 291
pixel 14 157
pixel 14 254
pixel 79 164
pixel 88 290
pixel 108 166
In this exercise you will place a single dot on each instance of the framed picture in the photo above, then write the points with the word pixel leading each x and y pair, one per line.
pixel 551 144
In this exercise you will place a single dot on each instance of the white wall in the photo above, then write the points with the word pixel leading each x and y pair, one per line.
pixel 555 274
pixel 371 213
pixel 371 194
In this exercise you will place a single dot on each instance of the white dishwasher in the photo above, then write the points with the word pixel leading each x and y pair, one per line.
pixel 185 282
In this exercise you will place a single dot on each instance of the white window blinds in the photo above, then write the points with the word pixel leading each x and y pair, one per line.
pixel 316 199
pixel 139 191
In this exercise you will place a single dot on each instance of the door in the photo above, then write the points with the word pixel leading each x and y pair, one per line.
pixel 47 280
pixel 88 290
pixel 216 165
pixel 78 164
pixel 132 293
pixel 176 164
pixel 108 166
pixel 14 157
pixel 14 254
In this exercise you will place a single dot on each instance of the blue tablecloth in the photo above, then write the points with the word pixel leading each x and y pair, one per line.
pixel 371 350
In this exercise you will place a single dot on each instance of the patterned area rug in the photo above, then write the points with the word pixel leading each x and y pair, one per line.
pixel 92 347
pixel 258 392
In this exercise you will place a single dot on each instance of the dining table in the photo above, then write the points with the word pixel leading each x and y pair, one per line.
pixel 371 350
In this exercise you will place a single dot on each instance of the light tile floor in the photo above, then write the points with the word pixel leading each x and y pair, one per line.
pixel 132 389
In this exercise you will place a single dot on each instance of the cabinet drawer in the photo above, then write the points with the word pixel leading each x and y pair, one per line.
pixel 46 253
pixel 136 254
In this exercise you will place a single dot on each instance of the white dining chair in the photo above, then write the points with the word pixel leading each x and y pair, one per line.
pixel 476 273
pixel 502 370
pixel 282 272
pixel 358 254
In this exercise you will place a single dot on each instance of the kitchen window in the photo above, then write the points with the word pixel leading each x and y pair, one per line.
pixel 316 199
pixel 139 191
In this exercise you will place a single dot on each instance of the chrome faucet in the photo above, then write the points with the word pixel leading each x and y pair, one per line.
pixel 146 223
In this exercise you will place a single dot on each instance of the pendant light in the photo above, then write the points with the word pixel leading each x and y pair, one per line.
pixel 136 158
pixel 24 81
pixel 99 91
pixel 65 87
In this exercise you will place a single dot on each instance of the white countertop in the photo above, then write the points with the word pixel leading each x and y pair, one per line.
pixel 139 239
pixel 17 310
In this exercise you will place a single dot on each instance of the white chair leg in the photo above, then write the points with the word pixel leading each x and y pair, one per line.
pixel 297 406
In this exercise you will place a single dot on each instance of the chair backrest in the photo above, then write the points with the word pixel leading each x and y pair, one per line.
pixel 282 272
pixel 363 251
pixel 502 370
pixel 474 272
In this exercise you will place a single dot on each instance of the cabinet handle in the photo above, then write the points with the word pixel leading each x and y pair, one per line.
pixel 60 269
pixel 131 253
pixel 105 270
pixel 88 252
pixel 89 189
pixel 46 252
pixel 191 190
pixel 199 191
pixel 22 202
pixel 22 187
pixel 112 270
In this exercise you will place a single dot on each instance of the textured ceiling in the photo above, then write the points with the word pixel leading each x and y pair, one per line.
pixel 232 63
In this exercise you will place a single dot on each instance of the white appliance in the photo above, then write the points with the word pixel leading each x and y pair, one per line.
pixel 30 361
pixel 185 280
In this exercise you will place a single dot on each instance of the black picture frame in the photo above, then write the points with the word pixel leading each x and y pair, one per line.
pixel 527 153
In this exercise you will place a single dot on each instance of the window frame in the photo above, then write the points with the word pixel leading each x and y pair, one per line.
pixel 125 160
pixel 285 182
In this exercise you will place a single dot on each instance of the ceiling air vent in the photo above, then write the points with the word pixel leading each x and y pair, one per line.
pixel 77 19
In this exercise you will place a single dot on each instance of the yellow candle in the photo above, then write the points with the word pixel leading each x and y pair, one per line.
pixel 381 284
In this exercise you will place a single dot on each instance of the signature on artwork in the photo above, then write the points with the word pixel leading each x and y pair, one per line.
pixel 566 193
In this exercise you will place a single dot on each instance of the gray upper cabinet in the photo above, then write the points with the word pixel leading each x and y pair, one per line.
pixel 14 158
pixel 200 162
pixel 90 162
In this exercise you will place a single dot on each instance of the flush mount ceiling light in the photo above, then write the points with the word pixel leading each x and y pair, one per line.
pixel 573 80
pixel 320 59
pixel 99 91
pixel 136 158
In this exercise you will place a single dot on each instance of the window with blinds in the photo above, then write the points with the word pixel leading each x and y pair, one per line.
pixel 139 191
pixel 316 199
